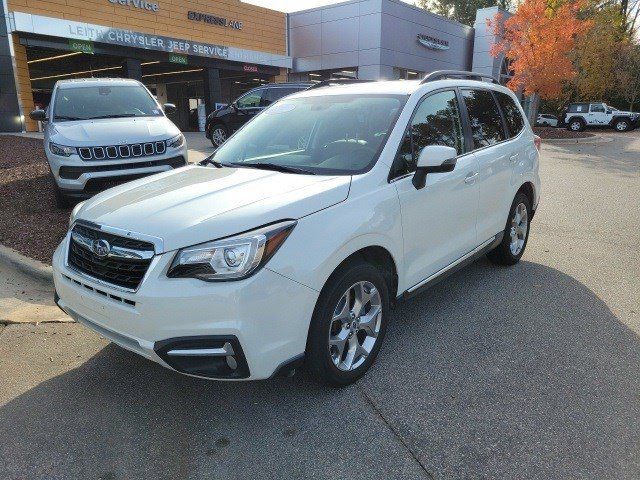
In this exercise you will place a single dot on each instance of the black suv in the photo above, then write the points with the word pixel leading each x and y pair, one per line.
pixel 223 122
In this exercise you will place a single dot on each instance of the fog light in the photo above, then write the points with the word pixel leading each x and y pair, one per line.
pixel 231 362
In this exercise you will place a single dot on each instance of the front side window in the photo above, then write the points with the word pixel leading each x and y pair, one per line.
pixel 484 116
pixel 93 102
pixel 327 134
pixel 436 122
pixel 597 107
pixel 512 115
pixel 250 100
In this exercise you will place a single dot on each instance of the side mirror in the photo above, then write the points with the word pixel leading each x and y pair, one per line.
pixel 434 159
pixel 38 115
pixel 169 108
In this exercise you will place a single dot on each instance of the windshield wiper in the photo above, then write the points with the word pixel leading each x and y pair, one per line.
pixel 120 115
pixel 66 117
pixel 275 167
pixel 210 161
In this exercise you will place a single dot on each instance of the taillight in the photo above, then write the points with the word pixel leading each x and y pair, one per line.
pixel 537 141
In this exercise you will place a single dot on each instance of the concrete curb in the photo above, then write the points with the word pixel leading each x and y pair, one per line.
pixel 33 268
pixel 577 141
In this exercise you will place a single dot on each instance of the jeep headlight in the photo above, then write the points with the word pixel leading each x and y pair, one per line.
pixel 231 258
pixel 61 150
pixel 176 142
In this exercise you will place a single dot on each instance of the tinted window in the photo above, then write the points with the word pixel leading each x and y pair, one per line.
pixel 436 122
pixel 82 103
pixel 511 112
pixel 597 107
pixel 484 116
pixel 275 94
pixel 578 107
pixel 251 99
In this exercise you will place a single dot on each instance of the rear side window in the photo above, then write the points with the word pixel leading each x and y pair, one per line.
pixel 484 116
pixel 511 112
pixel 275 94
pixel 578 107
pixel 436 122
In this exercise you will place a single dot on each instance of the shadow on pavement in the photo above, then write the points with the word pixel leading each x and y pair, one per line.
pixel 494 373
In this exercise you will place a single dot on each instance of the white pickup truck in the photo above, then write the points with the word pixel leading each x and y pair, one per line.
pixel 581 115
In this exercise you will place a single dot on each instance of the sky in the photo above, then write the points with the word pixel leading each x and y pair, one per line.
pixel 295 5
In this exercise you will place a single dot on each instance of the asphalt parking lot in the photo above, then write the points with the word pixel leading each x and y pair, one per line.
pixel 524 372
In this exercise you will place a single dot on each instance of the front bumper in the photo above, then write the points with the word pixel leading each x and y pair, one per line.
pixel 264 318
pixel 82 178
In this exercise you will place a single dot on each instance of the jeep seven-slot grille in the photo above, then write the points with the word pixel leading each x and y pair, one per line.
pixel 116 152
pixel 127 273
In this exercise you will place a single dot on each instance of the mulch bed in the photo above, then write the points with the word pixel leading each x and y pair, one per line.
pixel 559 133
pixel 30 222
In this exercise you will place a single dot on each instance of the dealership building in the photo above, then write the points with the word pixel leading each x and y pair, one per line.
pixel 208 53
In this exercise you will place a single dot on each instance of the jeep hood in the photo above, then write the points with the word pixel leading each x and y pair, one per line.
pixel 113 131
pixel 193 204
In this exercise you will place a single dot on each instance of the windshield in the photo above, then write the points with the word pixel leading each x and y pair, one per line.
pixel 84 103
pixel 329 134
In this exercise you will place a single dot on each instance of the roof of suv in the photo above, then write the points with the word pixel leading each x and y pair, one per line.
pixel 396 87
pixel 95 82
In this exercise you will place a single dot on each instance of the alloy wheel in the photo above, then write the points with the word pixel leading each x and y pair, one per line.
pixel 621 126
pixel 219 136
pixel 355 325
pixel 575 126
pixel 518 231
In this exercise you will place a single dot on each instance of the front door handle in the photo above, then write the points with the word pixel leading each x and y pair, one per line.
pixel 471 177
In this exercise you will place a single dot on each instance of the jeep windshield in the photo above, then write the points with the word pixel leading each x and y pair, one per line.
pixel 329 134
pixel 94 102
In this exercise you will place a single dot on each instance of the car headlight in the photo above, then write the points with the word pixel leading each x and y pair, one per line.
pixel 176 142
pixel 231 258
pixel 74 212
pixel 61 150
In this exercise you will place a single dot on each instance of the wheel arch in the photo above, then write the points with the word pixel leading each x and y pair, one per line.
pixel 529 189
pixel 378 256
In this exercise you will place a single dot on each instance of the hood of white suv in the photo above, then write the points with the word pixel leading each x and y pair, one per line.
pixel 192 205
pixel 112 131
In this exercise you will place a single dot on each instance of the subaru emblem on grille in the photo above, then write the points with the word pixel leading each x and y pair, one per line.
pixel 100 248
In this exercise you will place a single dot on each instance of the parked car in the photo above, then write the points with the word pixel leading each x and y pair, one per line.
pixel 581 115
pixel 223 122
pixel 294 239
pixel 547 120
pixel 102 132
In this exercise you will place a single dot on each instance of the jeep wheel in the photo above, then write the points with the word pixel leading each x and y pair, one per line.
pixel 621 125
pixel 348 324
pixel 576 125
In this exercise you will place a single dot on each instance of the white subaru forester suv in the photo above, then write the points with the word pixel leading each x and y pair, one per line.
pixel 291 243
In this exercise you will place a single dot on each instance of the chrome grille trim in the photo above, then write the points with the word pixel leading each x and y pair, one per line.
pixel 114 152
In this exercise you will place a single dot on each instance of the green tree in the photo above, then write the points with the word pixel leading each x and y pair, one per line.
pixel 463 11
pixel 627 74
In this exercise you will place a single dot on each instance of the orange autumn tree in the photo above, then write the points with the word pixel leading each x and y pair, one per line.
pixel 537 40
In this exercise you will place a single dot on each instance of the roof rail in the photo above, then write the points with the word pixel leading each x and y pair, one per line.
pixel 443 74
pixel 338 81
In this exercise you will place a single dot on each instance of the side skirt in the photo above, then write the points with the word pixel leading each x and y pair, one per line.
pixel 462 262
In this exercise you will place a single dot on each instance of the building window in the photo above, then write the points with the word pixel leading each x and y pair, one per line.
pixel 341 73
pixel 405 74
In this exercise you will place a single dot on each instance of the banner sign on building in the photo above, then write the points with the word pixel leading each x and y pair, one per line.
pixel 181 59
pixel 83 46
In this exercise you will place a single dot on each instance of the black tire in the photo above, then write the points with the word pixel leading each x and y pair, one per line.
pixel 502 254
pixel 621 125
pixel 215 138
pixel 62 200
pixel 318 359
pixel 576 125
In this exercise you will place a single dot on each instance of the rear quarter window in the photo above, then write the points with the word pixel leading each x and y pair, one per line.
pixel 511 112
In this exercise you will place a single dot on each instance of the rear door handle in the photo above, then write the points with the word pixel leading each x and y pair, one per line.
pixel 471 177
